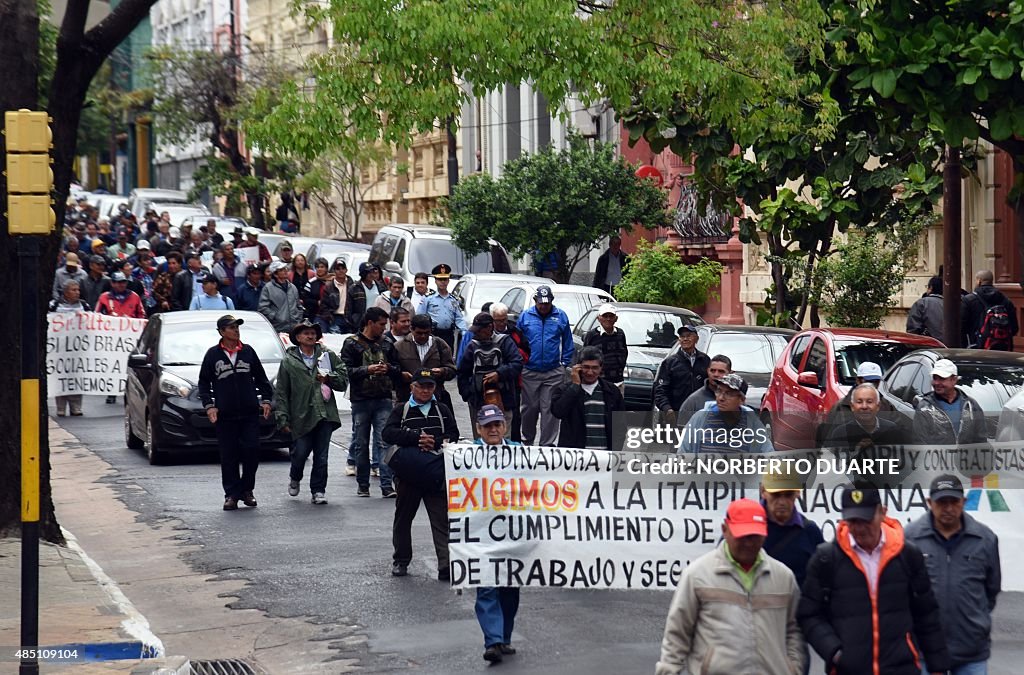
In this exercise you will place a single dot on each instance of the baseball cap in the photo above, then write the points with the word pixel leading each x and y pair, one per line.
pixel 423 376
pixel 946 485
pixel 483 319
pixel 340 263
pixel 143 245
pixel 781 481
pixel 71 260
pixel 277 265
pixel 945 368
pixel 253 267
pixel 228 320
pixel 746 517
pixel 735 382
pixel 252 231
pixel 543 294
pixel 206 278
pixel 98 259
pixel 686 328
pixel 365 268
pixel 97 242
pixel 488 414
pixel 286 245
pixel 606 308
pixel 118 276
pixel 174 232
pixel 870 372
pixel 860 502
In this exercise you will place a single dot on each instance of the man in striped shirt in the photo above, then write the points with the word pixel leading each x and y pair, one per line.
pixel 586 404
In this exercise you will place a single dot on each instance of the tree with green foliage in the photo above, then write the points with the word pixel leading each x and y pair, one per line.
pixel 656 275
pixel 564 202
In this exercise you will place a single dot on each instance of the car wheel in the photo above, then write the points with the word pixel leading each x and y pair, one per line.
pixel 153 453
pixel 130 439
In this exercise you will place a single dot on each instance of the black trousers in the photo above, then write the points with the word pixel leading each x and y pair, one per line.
pixel 448 335
pixel 406 505
pixel 239 441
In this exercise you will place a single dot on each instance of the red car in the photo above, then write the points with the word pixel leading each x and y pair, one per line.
pixel 817 369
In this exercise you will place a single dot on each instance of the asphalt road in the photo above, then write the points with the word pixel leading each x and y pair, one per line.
pixel 333 563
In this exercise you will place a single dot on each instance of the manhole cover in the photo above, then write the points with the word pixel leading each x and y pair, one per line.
pixel 222 667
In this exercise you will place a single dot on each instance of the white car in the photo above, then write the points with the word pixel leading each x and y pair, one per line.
pixel 179 212
pixel 405 249
pixel 474 290
pixel 571 299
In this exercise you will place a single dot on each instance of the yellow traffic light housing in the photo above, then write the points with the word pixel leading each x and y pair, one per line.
pixel 29 178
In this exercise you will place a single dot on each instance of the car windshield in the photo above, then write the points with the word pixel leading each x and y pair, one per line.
pixel 849 356
pixel 751 353
pixel 186 343
pixel 490 291
pixel 425 254
pixel 650 329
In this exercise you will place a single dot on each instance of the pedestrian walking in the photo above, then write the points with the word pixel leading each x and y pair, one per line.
pixel 210 298
pixel 612 343
pixel 502 326
pixel 586 405
pixel 419 291
pixel 305 405
pixel 187 283
pixel 611 265
pixel 71 270
pixel 962 559
pixel 418 427
pixel 423 351
pixel 96 282
pixel 70 302
pixel 867 429
pixel 443 308
pixel 399 325
pixel 549 333
pixel 490 367
pixel 718 367
pixel 370 286
pixel 990 318
pixel 867 598
pixel 341 302
pixel 496 607
pixel 373 372
pixel 247 297
pixel 926 314
pixel 727 425
pixel 119 301
pixel 279 300
pixel 395 297
pixel 681 374
pixel 734 590
pixel 947 415
pixel 235 392
pixel 841 413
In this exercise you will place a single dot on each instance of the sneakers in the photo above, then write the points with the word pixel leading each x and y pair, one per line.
pixel 507 650
pixel 493 654
pixel 363 492
pixel 350 470
pixel 248 498
pixel 399 570
pixel 388 493
pixel 293 488
pixel 444 574
pixel 230 504
pixel 375 471
pixel 319 498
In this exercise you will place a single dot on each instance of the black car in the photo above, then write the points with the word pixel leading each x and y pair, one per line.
pixel 162 406
pixel 989 377
pixel 650 335
pixel 753 351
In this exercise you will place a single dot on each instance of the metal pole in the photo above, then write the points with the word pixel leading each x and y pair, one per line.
pixel 453 157
pixel 28 263
pixel 952 202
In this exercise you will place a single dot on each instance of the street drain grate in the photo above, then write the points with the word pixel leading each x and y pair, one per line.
pixel 222 667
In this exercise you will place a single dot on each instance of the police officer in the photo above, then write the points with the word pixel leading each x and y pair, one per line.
pixel 443 308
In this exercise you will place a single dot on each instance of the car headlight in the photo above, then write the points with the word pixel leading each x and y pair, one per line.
pixel 637 373
pixel 172 385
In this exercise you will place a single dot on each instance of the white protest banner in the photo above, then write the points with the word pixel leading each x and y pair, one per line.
pixel 250 255
pixel 87 352
pixel 570 518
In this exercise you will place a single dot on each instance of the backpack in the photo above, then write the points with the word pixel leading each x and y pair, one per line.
pixel 995 329
pixel 487 358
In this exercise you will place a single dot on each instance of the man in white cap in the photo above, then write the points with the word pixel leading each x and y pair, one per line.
pixel 946 415
pixel 252 235
pixel 72 270
pixel 279 300
pixel 612 343
pixel 842 412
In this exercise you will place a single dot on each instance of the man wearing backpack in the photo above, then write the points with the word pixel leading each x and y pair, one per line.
pixel 990 319
pixel 418 427
pixel 491 363
pixel 867 597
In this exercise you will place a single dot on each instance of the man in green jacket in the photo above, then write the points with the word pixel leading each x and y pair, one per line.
pixel 305 406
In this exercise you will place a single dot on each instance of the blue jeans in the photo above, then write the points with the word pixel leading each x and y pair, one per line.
pixel 337 325
pixel 496 612
pixel 373 412
pixel 378 443
pixel 317 441
pixel 975 668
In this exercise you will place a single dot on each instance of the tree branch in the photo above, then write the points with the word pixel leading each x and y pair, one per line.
pixel 73 25
pixel 103 38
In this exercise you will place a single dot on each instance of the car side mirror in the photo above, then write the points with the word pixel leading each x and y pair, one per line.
pixel 808 379
pixel 139 362
pixel 392 266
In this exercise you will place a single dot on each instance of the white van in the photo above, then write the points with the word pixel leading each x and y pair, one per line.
pixel 404 249
pixel 140 199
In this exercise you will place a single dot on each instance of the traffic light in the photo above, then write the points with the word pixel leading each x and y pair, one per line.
pixel 29 177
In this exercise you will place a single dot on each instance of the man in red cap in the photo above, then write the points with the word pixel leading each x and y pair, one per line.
pixel 734 590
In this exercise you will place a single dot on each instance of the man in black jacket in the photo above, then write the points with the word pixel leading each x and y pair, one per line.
pixel 867 428
pixel 612 343
pixel 491 362
pixel 611 265
pixel 867 597
pixel 235 390
pixel 978 303
pixel 680 374
pixel 419 427
pixel 586 405
pixel 184 284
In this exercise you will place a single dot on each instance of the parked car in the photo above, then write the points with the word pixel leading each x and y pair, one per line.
pixel 224 223
pixel 753 350
pixel 179 212
pixel 573 300
pixel 817 368
pixel 106 205
pixel 475 290
pixel 407 249
pixel 163 411
pixel 991 378
pixel 353 253
pixel 141 200
pixel 299 245
pixel 648 339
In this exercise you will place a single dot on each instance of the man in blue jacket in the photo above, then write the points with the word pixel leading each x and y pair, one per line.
pixel 962 557
pixel 547 330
